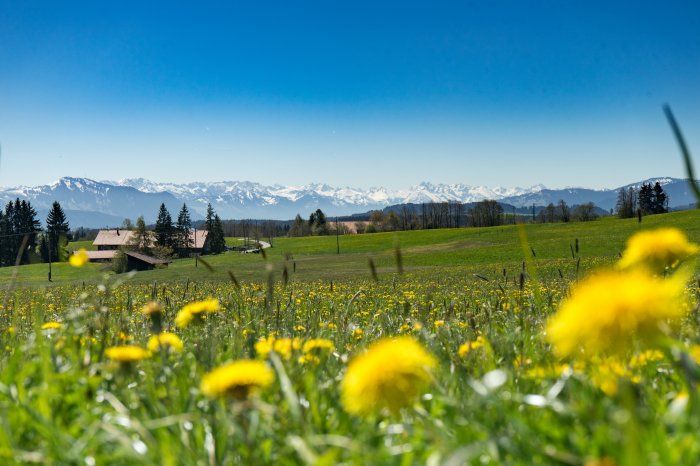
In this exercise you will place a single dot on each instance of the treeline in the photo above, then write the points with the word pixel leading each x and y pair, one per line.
pixel 561 212
pixel 485 213
pixel 22 239
pixel 646 200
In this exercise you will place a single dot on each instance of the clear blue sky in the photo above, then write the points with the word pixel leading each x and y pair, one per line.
pixel 349 93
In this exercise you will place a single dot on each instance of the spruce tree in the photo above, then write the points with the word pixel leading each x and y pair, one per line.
pixel 209 222
pixel 29 226
pixel 215 229
pixel 660 200
pixel 217 241
pixel 56 229
pixel 183 228
pixel 4 240
pixel 164 228
pixel 646 198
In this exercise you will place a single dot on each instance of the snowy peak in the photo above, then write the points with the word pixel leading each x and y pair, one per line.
pixel 131 197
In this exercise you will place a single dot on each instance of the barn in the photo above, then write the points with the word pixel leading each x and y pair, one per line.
pixel 138 261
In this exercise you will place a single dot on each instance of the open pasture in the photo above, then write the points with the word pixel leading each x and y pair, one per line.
pixel 496 391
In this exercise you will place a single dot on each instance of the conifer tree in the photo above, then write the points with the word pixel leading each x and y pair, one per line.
pixel 217 241
pixel 646 199
pixel 5 238
pixel 209 221
pixel 57 230
pixel 164 230
pixel 660 199
pixel 183 228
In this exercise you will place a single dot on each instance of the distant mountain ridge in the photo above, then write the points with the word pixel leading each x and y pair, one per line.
pixel 93 203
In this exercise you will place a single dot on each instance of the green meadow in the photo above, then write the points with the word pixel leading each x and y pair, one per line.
pixel 473 250
pixel 471 378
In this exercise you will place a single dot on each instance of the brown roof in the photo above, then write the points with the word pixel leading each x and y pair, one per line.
pixel 120 237
pixel 147 259
pixel 113 237
pixel 100 255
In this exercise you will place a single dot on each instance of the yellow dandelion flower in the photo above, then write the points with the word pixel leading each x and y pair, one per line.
pixel 438 324
pixel 389 375
pixel 126 354
pixel 167 340
pixel 309 359
pixel 196 310
pixel 238 379
pixel 282 346
pixel 658 249
pixel 358 333
pixel 318 345
pixel 695 353
pixel 152 307
pixel 51 326
pixel 521 361
pixel 79 258
pixel 607 373
pixel 608 311
pixel 470 346
pixel 645 357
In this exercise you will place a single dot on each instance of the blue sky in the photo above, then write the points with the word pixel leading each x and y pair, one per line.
pixel 348 93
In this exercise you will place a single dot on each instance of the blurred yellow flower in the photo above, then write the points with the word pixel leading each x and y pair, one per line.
pixel 51 326
pixel 126 354
pixel 606 374
pixel 657 249
pixel 167 340
pixel 389 375
pixel 606 312
pixel 358 333
pixel 469 346
pixel 196 310
pixel 152 307
pixel 695 353
pixel 315 348
pixel 282 346
pixel 645 357
pixel 78 258
pixel 238 379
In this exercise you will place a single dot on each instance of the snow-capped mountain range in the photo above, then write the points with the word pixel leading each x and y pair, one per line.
pixel 93 203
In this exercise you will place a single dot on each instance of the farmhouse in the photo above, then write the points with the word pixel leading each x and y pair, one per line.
pixel 108 242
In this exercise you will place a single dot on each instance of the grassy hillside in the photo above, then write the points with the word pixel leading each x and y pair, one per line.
pixel 480 250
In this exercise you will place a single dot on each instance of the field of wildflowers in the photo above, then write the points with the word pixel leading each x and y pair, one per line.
pixel 510 366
